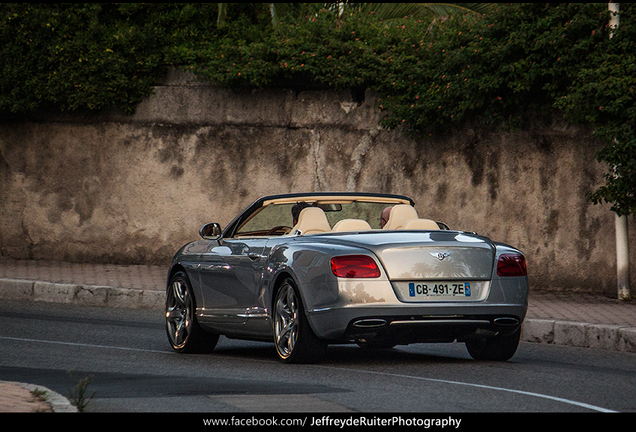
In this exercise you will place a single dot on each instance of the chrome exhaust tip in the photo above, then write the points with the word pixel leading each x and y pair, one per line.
pixel 506 321
pixel 370 323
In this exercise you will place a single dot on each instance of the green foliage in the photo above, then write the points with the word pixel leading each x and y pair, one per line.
pixel 78 396
pixel 620 189
pixel 602 94
pixel 511 67
pixel 75 56
pixel 495 69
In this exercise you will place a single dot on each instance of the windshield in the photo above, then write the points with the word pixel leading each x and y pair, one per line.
pixel 278 219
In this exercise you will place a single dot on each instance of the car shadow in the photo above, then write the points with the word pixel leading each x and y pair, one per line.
pixel 351 353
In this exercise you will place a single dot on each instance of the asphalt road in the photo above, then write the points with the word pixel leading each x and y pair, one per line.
pixel 132 369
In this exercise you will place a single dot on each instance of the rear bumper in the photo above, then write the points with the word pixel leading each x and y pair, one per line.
pixel 422 323
pixel 432 329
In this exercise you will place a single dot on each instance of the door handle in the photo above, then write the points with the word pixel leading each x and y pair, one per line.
pixel 253 256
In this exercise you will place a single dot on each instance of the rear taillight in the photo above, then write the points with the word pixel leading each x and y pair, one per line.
pixel 355 266
pixel 511 265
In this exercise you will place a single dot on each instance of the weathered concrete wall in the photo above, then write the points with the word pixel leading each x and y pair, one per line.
pixel 133 188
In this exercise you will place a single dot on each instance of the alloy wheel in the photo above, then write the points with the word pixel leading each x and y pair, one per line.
pixel 178 313
pixel 286 321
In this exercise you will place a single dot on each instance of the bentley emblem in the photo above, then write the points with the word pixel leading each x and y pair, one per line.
pixel 440 255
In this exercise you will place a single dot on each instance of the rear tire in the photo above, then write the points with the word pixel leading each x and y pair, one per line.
pixel 293 337
pixel 496 348
pixel 184 333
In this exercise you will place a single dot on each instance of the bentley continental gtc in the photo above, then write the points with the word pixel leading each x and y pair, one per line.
pixel 306 270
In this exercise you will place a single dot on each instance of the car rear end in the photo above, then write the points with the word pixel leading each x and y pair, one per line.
pixel 414 286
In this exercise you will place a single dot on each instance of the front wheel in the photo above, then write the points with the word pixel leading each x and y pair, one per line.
pixel 184 333
pixel 497 348
pixel 295 341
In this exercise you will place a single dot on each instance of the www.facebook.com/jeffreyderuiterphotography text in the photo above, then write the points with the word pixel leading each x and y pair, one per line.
pixel 339 422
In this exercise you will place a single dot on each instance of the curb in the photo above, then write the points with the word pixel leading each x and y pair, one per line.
pixel 601 336
pixel 59 403
pixel 80 294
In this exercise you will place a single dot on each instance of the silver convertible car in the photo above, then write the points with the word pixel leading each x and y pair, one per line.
pixel 307 270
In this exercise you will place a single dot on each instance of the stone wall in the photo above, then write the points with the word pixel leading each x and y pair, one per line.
pixel 133 188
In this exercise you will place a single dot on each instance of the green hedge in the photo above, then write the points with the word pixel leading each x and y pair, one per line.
pixel 516 66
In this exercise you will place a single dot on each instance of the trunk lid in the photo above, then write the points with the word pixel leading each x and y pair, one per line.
pixel 431 255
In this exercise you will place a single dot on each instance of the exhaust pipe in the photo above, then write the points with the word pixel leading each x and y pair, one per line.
pixel 369 323
pixel 506 321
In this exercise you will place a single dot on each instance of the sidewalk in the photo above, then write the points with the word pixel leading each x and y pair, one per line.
pixel 563 319
pixel 24 398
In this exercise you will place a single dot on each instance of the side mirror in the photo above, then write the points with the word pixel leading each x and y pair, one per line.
pixel 210 230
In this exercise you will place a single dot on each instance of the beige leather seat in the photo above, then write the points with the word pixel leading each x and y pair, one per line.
pixel 312 220
pixel 421 224
pixel 351 225
pixel 399 215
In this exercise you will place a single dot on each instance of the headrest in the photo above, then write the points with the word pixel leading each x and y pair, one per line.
pixel 351 225
pixel 312 220
pixel 399 215
pixel 420 224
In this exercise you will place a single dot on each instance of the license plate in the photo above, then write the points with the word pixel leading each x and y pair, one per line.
pixel 442 289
